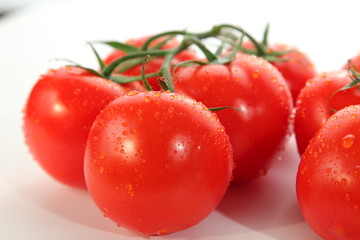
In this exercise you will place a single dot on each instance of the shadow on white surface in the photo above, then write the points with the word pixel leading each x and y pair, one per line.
pixel 74 205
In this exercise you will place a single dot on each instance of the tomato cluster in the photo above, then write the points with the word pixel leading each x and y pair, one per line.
pixel 158 133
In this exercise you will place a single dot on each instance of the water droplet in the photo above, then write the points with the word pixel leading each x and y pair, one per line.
pixel 77 91
pixel 139 112
pixel 256 74
pixel 124 124
pixel 348 141
pixel 133 130
pixel 125 132
pixel 129 188
pixel 161 232
pixel 220 129
pixel 105 212
pixel 328 170
pixel 347 197
pixel 147 99
pixel 132 93
pixel 344 181
pixel 170 109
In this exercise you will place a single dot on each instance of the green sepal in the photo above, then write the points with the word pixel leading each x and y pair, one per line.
pixel 215 109
pixel 121 46
pixel 100 61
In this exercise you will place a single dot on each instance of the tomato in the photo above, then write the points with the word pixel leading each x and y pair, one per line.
pixel 154 64
pixel 295 66
pixel 354 60
pixel 296 69
pixel 255 87
pixel 328 179
pixel 157 162
pixel 313 107
pixel 57 119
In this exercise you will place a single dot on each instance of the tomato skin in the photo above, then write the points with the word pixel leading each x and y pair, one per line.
pixel 354 60
pixel 154 64
pixel 157 162
pixel 312 107
pixel 259 91
pixel 328 178
pixel 296 69
pixel 57 118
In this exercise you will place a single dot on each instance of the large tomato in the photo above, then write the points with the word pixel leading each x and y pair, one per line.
pixel 154 64
pixel 259 91
pixel 328 179
pixel 157 162
pixel 57 119
pixel 317 101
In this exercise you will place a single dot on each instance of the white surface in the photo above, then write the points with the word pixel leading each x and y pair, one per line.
pixel 33 206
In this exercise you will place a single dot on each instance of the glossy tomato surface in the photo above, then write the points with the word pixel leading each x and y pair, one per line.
pixel 157 162
pixel 296 67
pixel 257 89
pixel 315 103
pixel 328 179
pixel 57 119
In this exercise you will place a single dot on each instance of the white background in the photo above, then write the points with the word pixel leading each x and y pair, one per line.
pixel 34 206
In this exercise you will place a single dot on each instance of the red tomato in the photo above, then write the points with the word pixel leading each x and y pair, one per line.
pixel 259 91
pixel 157 162
pixel 58 116
pixel 296 68
pixel 154 64
pixel 313 107
pixel 328 179
pixel 354 60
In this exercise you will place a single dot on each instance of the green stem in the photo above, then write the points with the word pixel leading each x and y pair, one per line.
pixel 143 77
pixel 260 49
pixel 111 67
pixel 128 79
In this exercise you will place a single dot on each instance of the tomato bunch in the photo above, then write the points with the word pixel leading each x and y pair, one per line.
pixel 159 132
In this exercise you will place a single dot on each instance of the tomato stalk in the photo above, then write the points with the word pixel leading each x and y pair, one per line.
pixel 354 75
pixel 217 31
